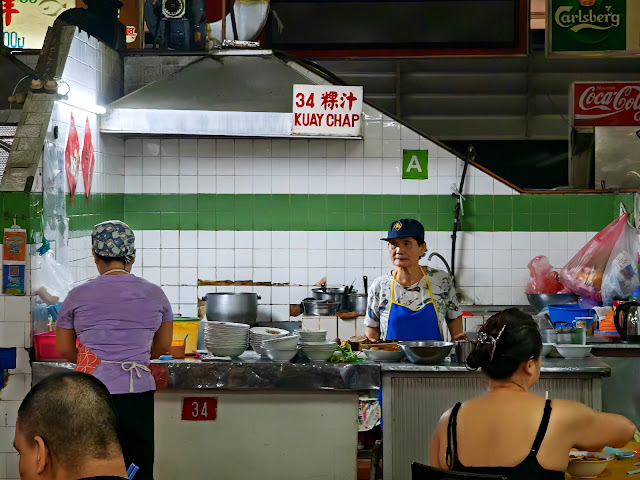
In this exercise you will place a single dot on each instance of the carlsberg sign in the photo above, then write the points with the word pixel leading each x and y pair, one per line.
pixel 593 25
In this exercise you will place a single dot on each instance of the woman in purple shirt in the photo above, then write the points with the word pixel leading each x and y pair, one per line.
pixel 121 322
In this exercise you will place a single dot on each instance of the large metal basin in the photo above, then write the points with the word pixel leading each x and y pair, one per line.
pixel 540 300
pixel 232 307
pixel 427 352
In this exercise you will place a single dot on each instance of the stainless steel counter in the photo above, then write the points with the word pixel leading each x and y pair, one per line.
pixel 614 346
pixel 248 372
pixel 590 364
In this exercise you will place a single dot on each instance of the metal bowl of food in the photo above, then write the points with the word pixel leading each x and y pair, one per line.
pixel 540 300
pixel 428 351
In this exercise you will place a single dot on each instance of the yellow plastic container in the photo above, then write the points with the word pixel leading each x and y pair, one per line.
pixel 184 325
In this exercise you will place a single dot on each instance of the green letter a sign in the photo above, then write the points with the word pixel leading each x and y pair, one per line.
pixel 415 164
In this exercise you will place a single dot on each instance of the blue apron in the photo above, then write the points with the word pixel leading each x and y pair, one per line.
pixel 408 325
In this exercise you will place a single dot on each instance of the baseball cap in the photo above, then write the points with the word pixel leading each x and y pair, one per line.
pixel 405 227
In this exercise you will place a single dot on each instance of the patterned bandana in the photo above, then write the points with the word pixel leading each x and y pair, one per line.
pixel 114 239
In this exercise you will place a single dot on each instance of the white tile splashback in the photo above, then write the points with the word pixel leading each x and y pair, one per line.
pixel 299 166
pixel 493 273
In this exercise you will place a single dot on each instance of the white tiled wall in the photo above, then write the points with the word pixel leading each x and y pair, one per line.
pixel 300 166
pixel 15 331
pixel 92 71
pixel 491 266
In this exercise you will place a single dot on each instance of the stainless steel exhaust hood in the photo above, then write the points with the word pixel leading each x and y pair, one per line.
pixel 235 94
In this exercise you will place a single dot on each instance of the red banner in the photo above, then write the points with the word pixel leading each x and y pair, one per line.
pixel 88 160
pixel 72 158
pixel 613 104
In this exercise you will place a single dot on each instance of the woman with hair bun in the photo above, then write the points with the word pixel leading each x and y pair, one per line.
pixel 509 431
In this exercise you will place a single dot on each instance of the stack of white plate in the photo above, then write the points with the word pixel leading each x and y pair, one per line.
pixel 319 351
pixel 307 336
pixel 226 339
pixel 258 334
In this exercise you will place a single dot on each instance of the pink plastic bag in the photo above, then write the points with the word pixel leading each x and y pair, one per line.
pixel 543 278
pixel 584 272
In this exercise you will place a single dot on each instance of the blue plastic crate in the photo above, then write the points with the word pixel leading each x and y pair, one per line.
pixel 567 313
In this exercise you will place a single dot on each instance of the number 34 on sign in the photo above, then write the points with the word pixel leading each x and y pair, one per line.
pixel 199 408
pixel 327 110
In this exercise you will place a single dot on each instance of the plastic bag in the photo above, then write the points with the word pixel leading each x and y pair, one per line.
pixel 543 278
pixel 584 273
pixel 51 280
pixel 368 414
pixel 621 273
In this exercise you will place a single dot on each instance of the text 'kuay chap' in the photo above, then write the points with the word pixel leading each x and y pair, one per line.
pixel 328 120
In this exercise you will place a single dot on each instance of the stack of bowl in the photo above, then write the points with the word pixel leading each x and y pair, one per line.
pixel 258 334
pixel 319 351
pixel 226 339
pixel 281 349
pixel 311 335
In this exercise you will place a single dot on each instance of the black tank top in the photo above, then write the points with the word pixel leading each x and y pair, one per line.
pixel 528 469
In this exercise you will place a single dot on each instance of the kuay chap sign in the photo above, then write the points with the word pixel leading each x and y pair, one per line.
pixel 327 110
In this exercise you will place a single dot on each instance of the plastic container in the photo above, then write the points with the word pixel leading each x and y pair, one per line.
pixel 176 350
pixel 566 313
pixel 183 326
pixel 635 295
pixel 45 345
pixel 607 328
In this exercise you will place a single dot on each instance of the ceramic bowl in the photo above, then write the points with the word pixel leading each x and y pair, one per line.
pixel 547 348
pixel 278 355
pixel 573 351
pixel 318 355
pixel 281 343
pixel 383 355
pixel 580 468
pixel 232 352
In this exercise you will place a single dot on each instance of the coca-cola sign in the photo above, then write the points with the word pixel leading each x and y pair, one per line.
pixel 606 104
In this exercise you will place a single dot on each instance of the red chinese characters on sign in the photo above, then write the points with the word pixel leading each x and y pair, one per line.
pixel 198 409
pixel 8 8
pixel 329 100
pixel 606 104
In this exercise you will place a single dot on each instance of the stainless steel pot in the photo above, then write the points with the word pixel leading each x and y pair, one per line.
pixel 232 307
pixel 312 306
pixel 571 335
pixel 331 293
pixel 567 335
pixel 463 349
pixel 549 335
pixel 355 302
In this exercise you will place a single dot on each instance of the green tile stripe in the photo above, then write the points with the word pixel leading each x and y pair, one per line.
pixel 532 212
pixel 101 206
pixel 25 207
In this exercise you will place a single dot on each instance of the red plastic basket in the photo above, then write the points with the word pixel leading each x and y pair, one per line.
pixel 45 344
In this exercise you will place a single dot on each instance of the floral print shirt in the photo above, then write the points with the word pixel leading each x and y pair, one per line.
pixel 413 297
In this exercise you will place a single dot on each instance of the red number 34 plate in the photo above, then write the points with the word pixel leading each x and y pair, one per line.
pixel 199 408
